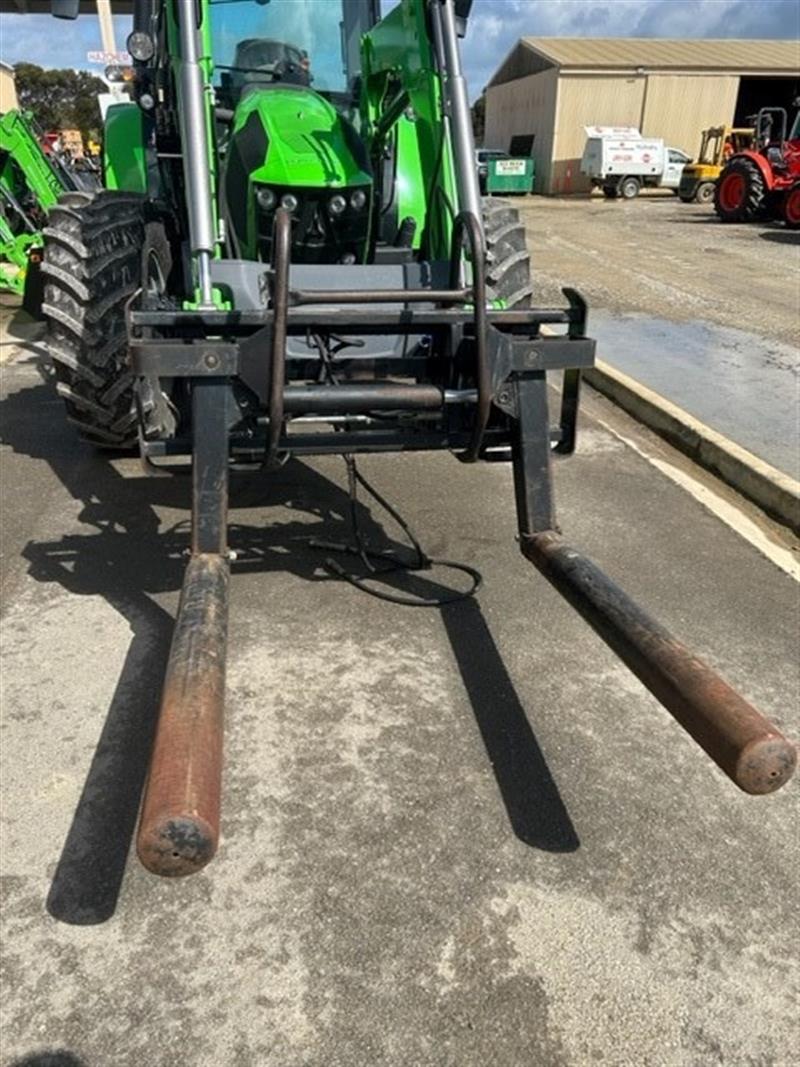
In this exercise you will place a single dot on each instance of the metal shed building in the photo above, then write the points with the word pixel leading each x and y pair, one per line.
pixel 552 87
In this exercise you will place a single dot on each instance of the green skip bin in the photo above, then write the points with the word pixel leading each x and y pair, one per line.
pixel 510 176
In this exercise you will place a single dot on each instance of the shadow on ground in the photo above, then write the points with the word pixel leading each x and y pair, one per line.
pixel 49 1058
pixel 127 557
pixel 18 329
pixel 781 237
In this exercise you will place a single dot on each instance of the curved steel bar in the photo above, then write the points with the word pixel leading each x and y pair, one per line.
pixel 281 254
pixel 467 224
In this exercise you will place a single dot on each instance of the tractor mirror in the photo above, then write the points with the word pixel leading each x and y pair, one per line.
pixel 65 9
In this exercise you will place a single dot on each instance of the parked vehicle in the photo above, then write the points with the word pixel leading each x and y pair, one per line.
pixel 621 162
pixel 760 182
pixel 717 145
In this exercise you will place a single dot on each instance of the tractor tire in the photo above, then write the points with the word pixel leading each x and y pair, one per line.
pixel 97 249
pixel 508 261
pixel 791 207
pixel 629 188
pixel 705 192
pixel 739 194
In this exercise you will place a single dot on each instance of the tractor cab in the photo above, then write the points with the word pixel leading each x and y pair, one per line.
pixel 771 127
pixel 289 42
pixel 261 61
pixel 286 75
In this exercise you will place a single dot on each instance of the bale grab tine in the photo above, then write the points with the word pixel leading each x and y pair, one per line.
pixel 737 737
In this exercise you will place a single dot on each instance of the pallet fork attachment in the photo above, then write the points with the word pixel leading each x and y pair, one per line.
pixel 179 827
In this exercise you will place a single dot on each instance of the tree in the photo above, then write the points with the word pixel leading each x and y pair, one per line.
pixel 479 118
pixel 60 99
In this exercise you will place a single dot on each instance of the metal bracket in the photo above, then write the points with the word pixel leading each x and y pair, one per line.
pixel 179 359
pixel 510 355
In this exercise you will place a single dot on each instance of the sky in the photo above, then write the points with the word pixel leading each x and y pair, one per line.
pixel 494 27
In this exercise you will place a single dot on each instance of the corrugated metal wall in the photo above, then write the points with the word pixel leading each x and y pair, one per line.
pixel 589 100
pixel 678 107
pixel 525 106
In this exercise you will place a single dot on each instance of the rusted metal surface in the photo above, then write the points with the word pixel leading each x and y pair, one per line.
pixel 362 396
pixel 179 825
pixel 740 740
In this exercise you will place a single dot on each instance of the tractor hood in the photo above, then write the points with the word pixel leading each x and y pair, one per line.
pixel 297 138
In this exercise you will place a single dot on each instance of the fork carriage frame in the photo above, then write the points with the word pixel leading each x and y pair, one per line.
pixel 483 394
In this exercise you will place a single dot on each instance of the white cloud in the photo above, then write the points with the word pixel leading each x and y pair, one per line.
pixel 494 27
pixel 616 18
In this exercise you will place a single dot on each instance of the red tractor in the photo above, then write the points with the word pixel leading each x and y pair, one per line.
pixel 763 181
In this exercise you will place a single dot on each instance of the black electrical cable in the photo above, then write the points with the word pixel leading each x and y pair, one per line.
pixel 391 563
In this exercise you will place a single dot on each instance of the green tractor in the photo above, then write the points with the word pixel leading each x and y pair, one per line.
pixel 30 184
pixel 291 257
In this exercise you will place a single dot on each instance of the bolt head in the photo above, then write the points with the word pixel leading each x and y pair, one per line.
pixel 211 360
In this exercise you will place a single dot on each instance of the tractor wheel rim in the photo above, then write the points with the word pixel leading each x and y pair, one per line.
pixel 732 193
pixel 793 207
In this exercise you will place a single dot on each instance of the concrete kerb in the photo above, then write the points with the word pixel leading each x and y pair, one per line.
pixel 775 492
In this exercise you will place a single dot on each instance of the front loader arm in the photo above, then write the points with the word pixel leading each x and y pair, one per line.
pixel 409 74
pixel 18 145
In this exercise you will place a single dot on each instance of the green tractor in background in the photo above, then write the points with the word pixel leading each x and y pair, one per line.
pixel 30 184
pixel 291 258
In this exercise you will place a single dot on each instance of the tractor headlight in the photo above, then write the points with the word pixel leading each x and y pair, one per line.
pixel 336 205
pixel 266 199
pixel 289 202
pixel 358 200
pixel 141 46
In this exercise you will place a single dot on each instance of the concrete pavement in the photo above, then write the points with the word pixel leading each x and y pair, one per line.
pixel 450 838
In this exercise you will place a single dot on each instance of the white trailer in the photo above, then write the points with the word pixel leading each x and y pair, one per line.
pixel 620 161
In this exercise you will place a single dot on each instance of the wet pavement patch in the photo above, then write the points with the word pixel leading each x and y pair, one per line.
pixel 741 384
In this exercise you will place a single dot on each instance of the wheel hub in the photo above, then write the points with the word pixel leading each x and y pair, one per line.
pixel 793 207
pixel 732 193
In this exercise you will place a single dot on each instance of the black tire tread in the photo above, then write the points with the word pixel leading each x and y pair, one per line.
pixel 753 203
pixel 92 266
pixel 508 260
